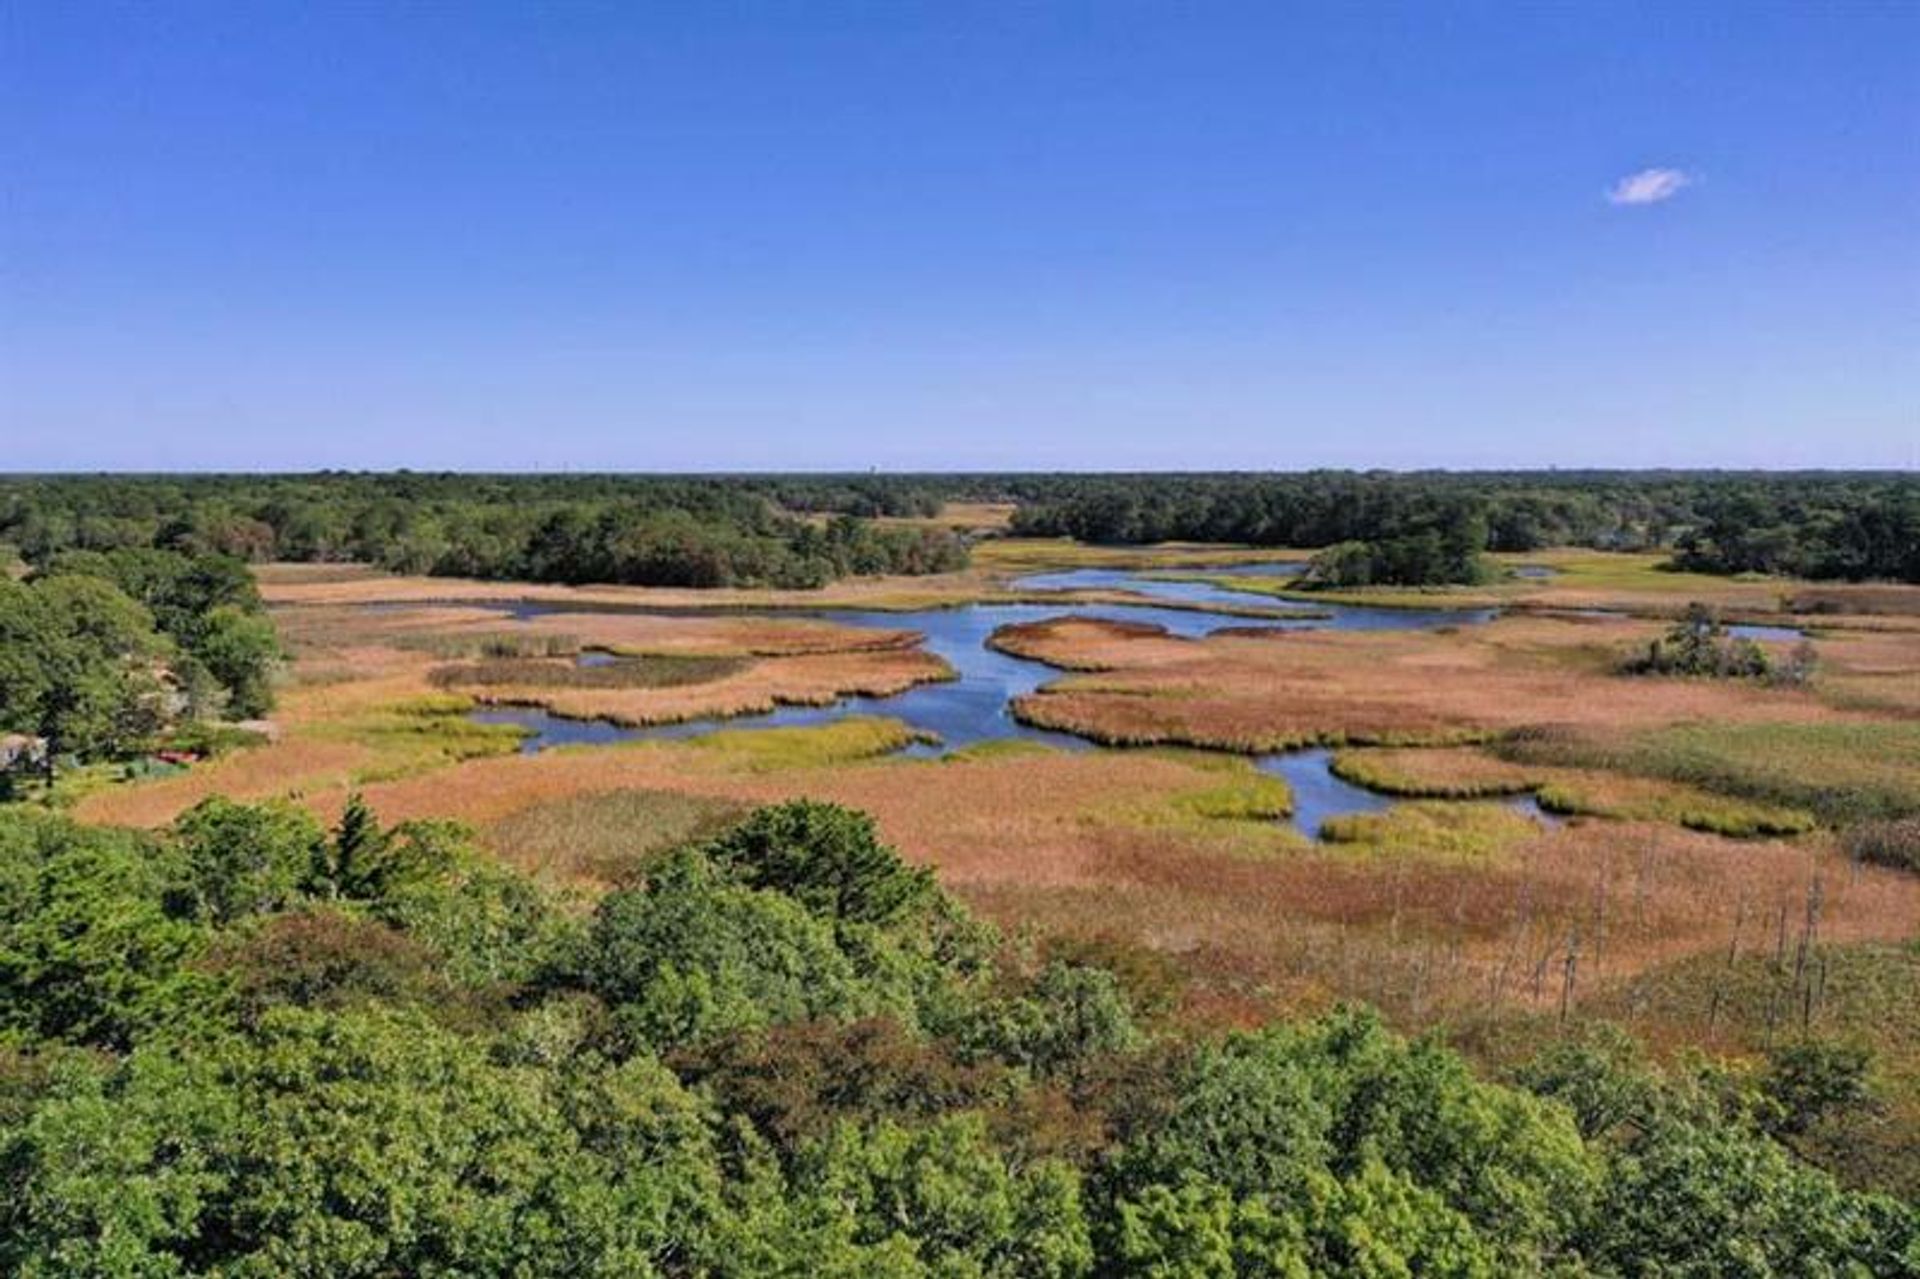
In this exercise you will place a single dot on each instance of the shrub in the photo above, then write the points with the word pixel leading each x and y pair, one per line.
pixel 1894 842
pixel 325 958
pixel 1699 645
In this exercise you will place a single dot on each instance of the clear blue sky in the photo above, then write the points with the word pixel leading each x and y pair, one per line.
pixel 649 236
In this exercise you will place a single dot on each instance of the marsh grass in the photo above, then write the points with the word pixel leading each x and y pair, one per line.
pixel 1433 774
pixel 1052 640
pixel 1641 799
pixel 1876 599
pixel 1464 598
pixel 1894 843
pixel 757 687
pixel 1148 717
pixel 1580 569
pixel 1638 582
pixel 1842 772
pixel 1399 688
pixel 1016 555
pixel 1473 774
pixel 606 838
pixel 654 671
pixel 526 643
pixel 422 733
pixel 1437 831
pixel 961 517
pixel 846 741
pixel 1234 794
pixel 997 748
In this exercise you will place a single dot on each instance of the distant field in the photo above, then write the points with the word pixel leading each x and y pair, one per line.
pixel 965 517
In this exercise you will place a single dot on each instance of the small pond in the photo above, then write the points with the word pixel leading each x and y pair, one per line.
pixel 1766 634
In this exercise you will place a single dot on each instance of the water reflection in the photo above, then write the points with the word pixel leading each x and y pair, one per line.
pixel 1767 634
pixel 1317 793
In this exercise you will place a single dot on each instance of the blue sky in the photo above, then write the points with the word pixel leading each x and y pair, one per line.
pixel 679 236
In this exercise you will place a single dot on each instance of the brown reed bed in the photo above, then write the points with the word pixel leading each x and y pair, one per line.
pixel 1233 692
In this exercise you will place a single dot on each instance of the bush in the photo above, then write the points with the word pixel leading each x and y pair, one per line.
pixel 1894 842
pixel 1699 645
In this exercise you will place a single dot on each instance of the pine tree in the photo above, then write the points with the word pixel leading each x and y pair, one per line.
pixel 359 851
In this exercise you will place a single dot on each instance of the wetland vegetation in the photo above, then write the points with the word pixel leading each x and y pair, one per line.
pixel 1055 908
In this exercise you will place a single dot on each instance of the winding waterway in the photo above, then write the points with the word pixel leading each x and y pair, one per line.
pixel 976 706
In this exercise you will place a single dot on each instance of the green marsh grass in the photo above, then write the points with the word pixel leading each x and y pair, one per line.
pixel 653 671
pixel 422 733
pixel 997 748
pixel 1432 831
pixel 1471 774
pixel 1841 772
pixel 845 741
pixel 1235 806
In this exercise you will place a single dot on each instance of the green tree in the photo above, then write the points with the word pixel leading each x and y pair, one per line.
pixel 692 955
pixel 1692 1195
pixel 240 650
pixel 354 863
pixel 1272 1116
pixel 941 1193
pixel 88 950
pixel 1812 1079
pixel 240 859
pixel 488 923
pixel 28 636
pixel 1072 1015
pixel 82 666
pixel 827 858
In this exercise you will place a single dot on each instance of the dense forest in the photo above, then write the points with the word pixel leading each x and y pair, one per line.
pixel 251 1046
pixel 786 530
pixel 639 530
pixel 1813 525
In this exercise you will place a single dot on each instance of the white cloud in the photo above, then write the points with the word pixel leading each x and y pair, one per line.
pixel 1649 186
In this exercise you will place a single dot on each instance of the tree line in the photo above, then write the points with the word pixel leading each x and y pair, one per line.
pixel 804 530
pixel 1428 527
pixel 103 652
pixel 250 1045
pixel 651 531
